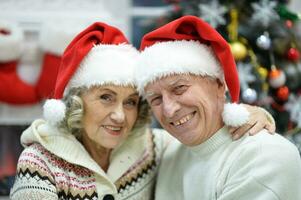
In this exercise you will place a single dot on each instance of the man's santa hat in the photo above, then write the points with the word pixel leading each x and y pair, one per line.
pixel 98 55
pixel 189 45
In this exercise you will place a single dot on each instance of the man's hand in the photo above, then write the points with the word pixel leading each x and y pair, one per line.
pixel 259 119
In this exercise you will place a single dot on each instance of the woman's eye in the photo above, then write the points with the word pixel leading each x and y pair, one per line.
pixel 106 97
pixel 131 102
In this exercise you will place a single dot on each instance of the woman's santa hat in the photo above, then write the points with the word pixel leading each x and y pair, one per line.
pixel 189 45
pixel 98 55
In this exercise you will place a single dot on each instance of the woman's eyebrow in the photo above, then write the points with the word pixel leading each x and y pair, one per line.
pixel 134 94
pixel 106 89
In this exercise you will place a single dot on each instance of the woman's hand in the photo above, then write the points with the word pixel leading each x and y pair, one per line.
pixel 259 119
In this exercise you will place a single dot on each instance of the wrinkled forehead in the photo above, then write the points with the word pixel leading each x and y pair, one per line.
pixel 171 81
pixel 165 81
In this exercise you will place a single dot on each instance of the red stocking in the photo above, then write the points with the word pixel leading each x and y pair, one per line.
pixel 13 90
pixel 54 39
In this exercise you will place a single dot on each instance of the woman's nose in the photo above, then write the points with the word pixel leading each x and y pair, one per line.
pixel 118 114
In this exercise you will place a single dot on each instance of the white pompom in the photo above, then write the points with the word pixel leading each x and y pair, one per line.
pixel 54 111
pixel 235 114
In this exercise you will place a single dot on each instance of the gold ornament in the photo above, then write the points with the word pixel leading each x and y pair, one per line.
pixel 239 50
pixel 263 72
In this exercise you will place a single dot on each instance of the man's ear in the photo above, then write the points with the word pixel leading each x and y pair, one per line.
pixel 221 87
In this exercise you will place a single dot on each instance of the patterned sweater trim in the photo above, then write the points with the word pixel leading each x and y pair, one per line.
pixel 43 175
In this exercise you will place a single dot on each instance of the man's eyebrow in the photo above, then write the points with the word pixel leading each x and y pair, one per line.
pixel 149 94
pixel 174 82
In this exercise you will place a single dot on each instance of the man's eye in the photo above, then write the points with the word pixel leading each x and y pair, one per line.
pixel 106 97
pixel 180 89
pixel 156 101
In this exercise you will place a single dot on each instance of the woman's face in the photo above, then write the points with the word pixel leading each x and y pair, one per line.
pixel 110 113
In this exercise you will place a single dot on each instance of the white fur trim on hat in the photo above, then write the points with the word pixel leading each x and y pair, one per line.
pixel 54 111
pixel 235 114
pixel 176 57
pixel 107 64
pixel 11 43
pixel 55 37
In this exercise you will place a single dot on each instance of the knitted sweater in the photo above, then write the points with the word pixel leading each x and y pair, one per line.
pixel 260 167
pixel 55 165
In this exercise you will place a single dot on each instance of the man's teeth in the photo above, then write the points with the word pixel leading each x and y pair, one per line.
pixel 113 128
pixel 183 120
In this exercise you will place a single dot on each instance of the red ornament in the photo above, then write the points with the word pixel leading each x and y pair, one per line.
pixel 293 54
pixel 278 107
pixel 283 93
pixel 289 23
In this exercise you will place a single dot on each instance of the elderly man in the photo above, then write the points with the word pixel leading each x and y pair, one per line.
pixel 185 69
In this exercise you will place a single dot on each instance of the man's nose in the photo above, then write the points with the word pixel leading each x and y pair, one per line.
pixel 170 106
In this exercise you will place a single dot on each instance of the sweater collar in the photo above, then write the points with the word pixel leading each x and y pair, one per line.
pixel 222 136
pixel 131 150
pixel 67 147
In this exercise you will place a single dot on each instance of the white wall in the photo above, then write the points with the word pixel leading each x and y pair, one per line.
pixel 295 5
pixel 31 16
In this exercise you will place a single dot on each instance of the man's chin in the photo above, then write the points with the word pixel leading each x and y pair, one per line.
pixel 188 141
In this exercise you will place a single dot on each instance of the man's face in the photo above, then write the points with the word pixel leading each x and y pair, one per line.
pixel 189 107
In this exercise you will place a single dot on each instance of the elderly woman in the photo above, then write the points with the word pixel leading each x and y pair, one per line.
pixel 95 142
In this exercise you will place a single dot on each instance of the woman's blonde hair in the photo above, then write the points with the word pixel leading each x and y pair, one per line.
pixel 72 122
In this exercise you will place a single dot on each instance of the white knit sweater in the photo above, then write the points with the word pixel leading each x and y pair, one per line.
pixel 55 165
pixel 260 167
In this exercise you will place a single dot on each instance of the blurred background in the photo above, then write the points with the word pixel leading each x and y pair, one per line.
pixel 264 35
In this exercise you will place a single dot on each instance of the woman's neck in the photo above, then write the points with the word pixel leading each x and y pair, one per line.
pixel 100 154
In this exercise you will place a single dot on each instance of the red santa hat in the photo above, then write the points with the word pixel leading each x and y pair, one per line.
pixel 98 55
pixel 189 45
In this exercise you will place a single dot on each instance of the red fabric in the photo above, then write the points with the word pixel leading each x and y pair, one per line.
pixel 193 28
pixel 8 167
pixel 12 89
pixel 97 33
pixel 46 83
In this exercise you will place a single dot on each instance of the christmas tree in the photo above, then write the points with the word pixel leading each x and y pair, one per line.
pixel 265 39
